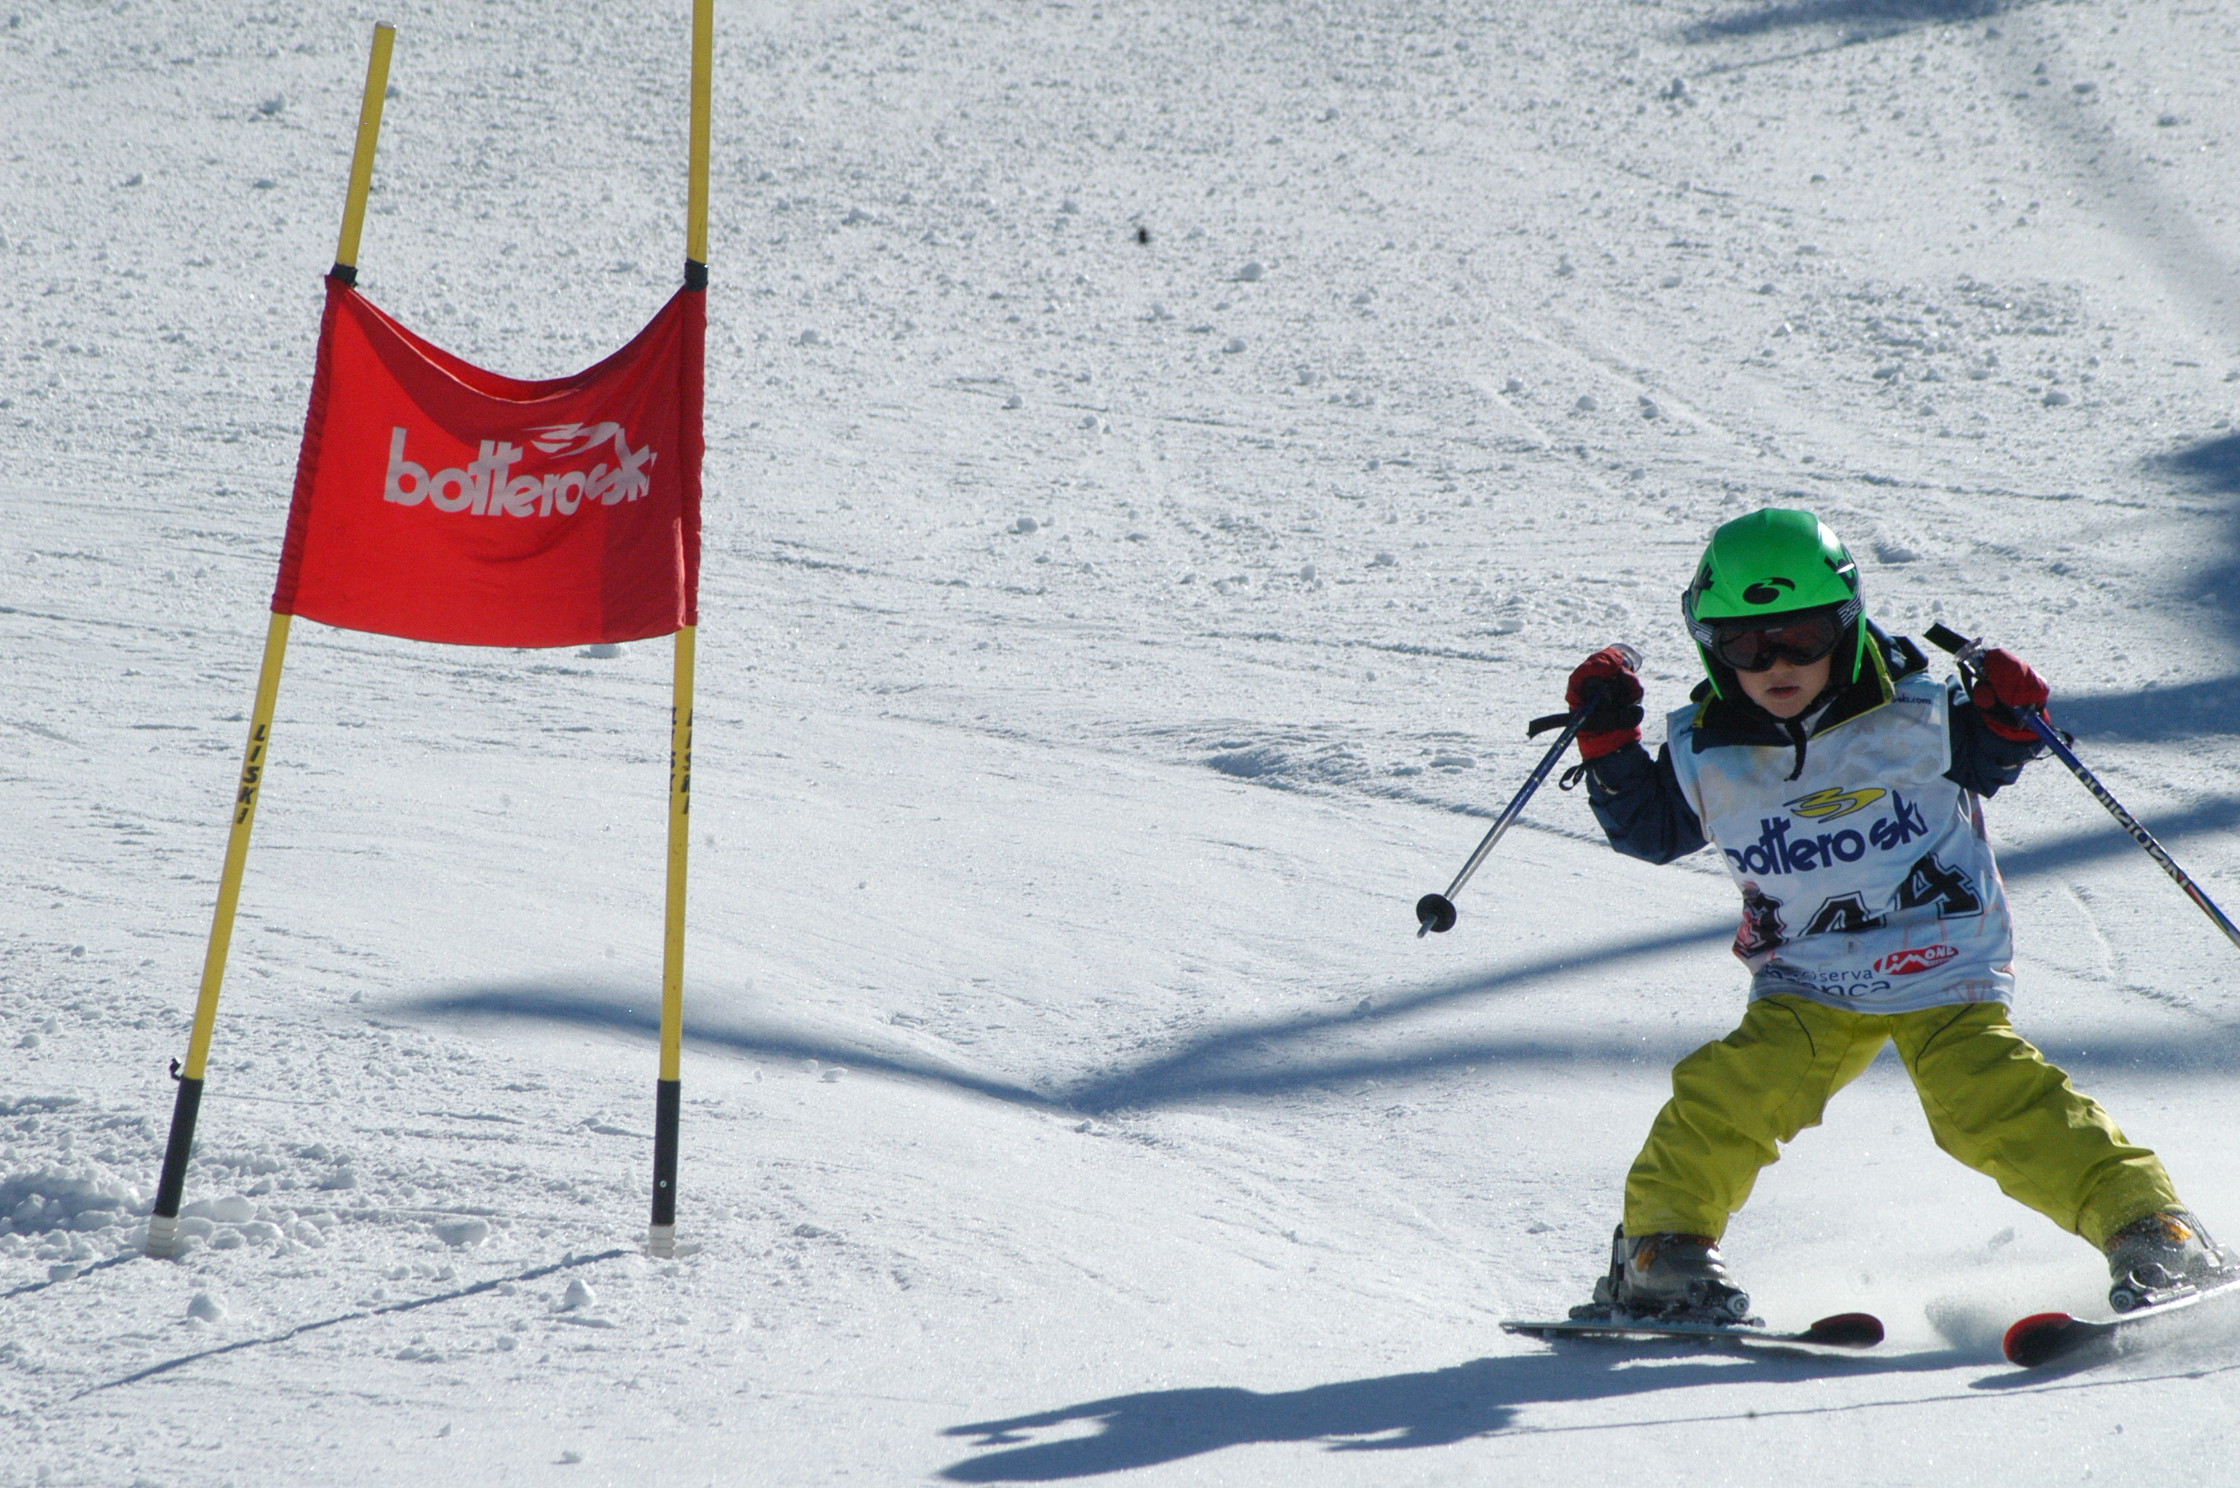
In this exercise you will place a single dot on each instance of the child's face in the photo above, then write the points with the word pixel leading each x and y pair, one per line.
pixel 1786 689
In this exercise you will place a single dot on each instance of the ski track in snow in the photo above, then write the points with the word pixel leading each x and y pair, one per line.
pixel 1159 456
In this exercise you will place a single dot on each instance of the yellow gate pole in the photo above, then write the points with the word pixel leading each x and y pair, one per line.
pixel 361 160
pixel 696 188
pixel 163 1223
pixel 661 1234
pixel 668 1090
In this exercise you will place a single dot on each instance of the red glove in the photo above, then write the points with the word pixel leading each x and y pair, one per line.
pixel 2006 686
pixel 1616 719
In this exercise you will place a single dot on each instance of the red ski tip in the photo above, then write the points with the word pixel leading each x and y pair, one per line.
pixel 2016 1345
pixel 1857 1329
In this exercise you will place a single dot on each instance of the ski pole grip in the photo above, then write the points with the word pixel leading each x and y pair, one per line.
pixel 1946 638
pixel 1595 695
pixel 1969 654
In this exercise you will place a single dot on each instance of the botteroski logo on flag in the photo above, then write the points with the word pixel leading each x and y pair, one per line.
pixel 443 502
pixel 487 487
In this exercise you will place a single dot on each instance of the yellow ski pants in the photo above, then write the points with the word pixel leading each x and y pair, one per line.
pixel 1992 1101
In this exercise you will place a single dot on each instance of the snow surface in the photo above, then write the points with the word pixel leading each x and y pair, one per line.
pixel 1159 456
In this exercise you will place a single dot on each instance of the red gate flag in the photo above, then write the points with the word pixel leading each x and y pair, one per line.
pixel 440 502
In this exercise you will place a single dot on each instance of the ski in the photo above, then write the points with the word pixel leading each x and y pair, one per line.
pixel 1842 1330
pixel 2048 1338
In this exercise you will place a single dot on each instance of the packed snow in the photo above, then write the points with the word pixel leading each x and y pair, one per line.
pixel 1159 457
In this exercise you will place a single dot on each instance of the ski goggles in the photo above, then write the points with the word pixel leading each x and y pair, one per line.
pixel 1755 645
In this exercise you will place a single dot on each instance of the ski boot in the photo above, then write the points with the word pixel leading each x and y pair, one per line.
pixel 2162 1255
pixel 1667 1278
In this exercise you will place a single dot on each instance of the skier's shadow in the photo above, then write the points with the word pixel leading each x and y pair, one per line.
pixel 1389 1413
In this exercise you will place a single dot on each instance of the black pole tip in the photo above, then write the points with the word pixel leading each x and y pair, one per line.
pixel 1435 913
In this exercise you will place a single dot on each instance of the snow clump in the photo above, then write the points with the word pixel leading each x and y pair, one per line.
pixel 78 1198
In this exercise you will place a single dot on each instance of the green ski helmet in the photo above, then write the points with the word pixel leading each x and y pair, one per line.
pixel 1773 562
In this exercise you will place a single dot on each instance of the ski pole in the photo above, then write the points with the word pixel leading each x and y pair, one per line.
pixel 1969 653
pixel 1435 913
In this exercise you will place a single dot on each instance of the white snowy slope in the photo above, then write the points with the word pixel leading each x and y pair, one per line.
pixel 1160 455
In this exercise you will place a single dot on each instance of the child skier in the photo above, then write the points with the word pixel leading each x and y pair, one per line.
pixel 1843 786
